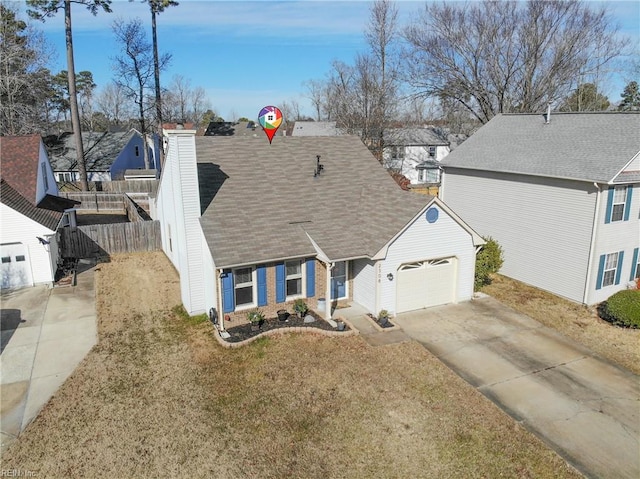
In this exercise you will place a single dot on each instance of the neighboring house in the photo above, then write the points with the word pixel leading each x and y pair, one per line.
pixel 30 213
pixel 315 128
pixel 561 194
pixel 248 224
pixel 109 155
pixel 415 153
pixel 226 128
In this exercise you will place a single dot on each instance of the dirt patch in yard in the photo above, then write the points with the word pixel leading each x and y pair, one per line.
pixel 582 324
pixel 158 397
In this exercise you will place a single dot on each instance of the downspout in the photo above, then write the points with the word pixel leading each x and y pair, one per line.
pixel 594 231
pixel 219 300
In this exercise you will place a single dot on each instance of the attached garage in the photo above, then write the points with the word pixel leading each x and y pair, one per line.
pixel 423 284
pixel 15 267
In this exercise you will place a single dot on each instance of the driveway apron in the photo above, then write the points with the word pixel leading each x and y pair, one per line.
pixel 45 335
pixel 584 407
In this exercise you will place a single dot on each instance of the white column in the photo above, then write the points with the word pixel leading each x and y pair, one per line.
pixel 327 310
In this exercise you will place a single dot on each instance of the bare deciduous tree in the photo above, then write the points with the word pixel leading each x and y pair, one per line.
pixel 112 103
pixel 135 70
pixel 24 78
pixel 495 57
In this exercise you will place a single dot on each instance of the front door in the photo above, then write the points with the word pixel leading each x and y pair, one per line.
pixel 339 280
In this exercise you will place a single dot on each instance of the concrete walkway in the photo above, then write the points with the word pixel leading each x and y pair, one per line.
pixel 45 334
pixel 585 408
pixel 356 315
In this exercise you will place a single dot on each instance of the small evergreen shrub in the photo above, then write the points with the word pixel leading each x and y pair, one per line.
pixel 488 261
pixel 622 309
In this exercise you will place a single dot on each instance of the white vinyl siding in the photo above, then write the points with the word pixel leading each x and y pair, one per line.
pixel 544 225
pixel 412 156
pixel 178 209
pixel 364 284
pixel 46 181
pixel 24 230
pixel 424 241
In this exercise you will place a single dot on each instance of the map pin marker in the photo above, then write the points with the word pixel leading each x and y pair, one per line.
pixel 270 118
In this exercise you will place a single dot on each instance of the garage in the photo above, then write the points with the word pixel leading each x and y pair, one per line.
pixel 423 284
pixel 15 269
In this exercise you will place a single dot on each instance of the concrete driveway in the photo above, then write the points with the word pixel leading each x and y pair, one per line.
pixel 585 408
pixel 45 335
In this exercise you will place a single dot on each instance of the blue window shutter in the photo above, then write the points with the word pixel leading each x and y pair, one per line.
pixel 607 218
pixel 627 205
pixel 281 294
pixel 619 268
pixel 634 265
pixel 228 300
pixel 311 278
pixel 261 272
pixel 600 271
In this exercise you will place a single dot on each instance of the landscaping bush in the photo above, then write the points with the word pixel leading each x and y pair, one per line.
pixel 488 261
pixel 622 309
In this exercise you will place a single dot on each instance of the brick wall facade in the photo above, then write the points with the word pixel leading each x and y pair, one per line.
pixel 272 307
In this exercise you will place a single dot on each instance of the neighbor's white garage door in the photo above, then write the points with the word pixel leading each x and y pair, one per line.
pixel 426 283
pixel 15 269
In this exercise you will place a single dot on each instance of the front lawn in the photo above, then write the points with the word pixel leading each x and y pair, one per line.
pixel 619 345
pixel 158 397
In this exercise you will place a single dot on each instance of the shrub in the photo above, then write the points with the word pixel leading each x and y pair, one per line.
pixel 488 261
pixel 622 309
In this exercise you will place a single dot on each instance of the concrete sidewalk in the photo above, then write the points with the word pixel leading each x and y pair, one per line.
pixel 46 332
pixel 584 407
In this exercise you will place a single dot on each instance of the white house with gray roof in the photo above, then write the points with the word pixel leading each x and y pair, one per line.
pixel 251 224
pixel 560 194
pixel 415 153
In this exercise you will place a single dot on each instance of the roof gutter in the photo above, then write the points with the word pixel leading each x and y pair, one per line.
pixel 594 232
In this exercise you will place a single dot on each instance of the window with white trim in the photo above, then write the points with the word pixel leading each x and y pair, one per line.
pixel 294 275
pixel 610 267
pixel 397 152
pixel 432 151
pixel 44 176
pixel 428 175
pixel 243 286
pixel 637 268
pixel 66 177
pixel 619 202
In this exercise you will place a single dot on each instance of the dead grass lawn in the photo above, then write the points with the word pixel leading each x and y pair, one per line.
pixel 582 324
pixel 157 397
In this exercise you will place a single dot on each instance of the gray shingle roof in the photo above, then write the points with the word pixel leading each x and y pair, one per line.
pixel 413 137
pixel 581 146
pixel 315 128
pixel 259 201
pixel 47 216
pixel 101 149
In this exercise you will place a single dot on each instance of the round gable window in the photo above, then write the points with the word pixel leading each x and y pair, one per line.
pixel 432 215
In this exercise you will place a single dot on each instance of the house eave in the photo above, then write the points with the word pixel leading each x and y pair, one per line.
pixel 446 167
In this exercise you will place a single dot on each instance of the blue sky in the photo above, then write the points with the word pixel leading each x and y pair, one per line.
pixel 248 54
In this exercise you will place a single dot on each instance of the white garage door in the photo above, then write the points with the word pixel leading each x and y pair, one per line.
pixel 426 283
pixel 15 269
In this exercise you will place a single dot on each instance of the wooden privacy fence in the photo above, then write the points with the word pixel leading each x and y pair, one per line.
pixel 96 241
pixel 120 186
pixel 97 201
pixel 103 202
